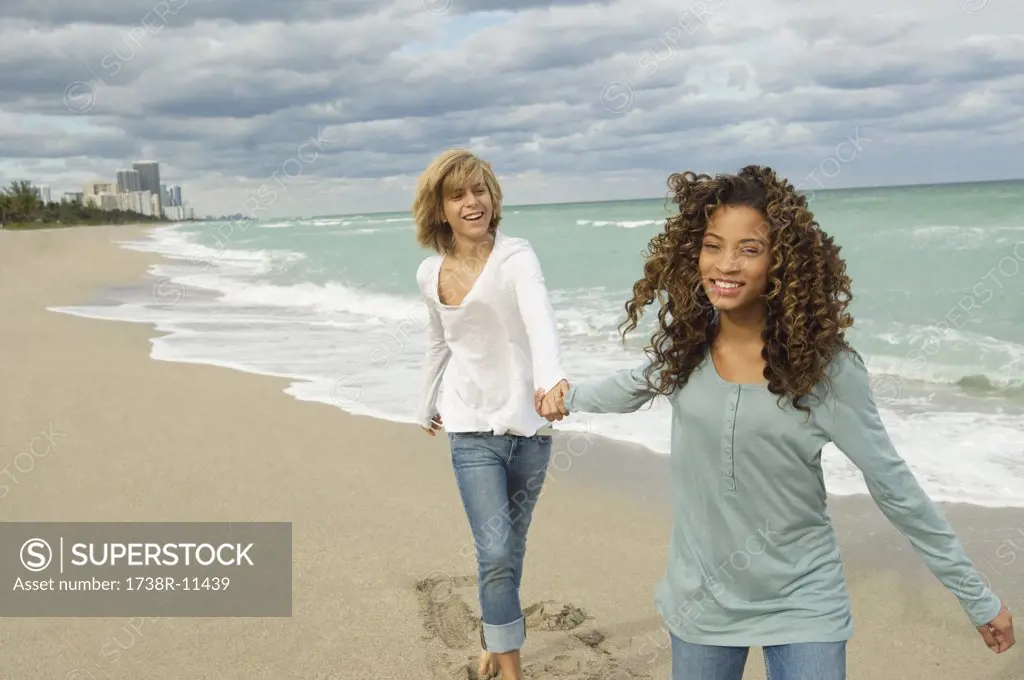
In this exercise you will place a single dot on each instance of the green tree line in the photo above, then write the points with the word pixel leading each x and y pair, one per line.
pixel 21 208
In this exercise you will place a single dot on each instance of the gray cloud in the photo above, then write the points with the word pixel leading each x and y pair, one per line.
pixel 185 12
pixel 135 12
pixel 224 93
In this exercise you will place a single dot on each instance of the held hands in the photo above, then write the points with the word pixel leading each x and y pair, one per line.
pixel 435 425
pixel 998 633
pixel 552 404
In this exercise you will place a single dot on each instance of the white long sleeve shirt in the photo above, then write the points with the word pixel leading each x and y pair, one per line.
pixel 493 351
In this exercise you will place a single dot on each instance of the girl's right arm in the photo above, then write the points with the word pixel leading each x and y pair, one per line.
pixel 622 392
pixel 436 360
pixel 437 355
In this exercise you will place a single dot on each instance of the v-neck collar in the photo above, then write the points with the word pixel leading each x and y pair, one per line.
pixel 440 263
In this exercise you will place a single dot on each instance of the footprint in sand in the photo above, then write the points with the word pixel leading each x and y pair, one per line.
pixel 559 645
pixel 445 613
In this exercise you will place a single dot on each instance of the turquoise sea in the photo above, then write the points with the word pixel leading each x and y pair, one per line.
pixel 331 302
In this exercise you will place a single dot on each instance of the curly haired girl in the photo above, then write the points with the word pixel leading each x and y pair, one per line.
pixel 751 354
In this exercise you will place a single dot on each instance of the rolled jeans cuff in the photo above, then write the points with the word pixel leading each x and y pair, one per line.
pixel 506 637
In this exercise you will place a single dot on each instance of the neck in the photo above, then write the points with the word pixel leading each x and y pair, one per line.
pixel 743 325
pixel 469 248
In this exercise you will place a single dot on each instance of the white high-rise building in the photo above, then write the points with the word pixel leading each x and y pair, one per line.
pixel 42 192
pixel 136 201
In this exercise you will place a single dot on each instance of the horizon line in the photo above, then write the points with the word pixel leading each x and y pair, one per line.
pixel 655 198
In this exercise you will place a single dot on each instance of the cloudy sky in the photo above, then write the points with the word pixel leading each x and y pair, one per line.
pixel 337 105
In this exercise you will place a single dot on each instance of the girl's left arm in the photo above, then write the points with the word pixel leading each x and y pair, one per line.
pixel 852 421
pixel 539 318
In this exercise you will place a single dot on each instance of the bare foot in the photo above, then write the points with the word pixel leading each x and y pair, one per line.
pixel 488 667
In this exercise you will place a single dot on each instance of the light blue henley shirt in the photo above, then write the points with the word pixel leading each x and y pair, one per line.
pixel 753 559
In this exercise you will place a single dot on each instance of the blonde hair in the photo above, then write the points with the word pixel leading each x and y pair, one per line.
pixel 450 170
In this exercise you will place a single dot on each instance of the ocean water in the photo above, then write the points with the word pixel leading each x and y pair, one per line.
pixel 331 303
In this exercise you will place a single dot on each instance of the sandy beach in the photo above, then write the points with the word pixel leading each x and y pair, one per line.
pixel 383 583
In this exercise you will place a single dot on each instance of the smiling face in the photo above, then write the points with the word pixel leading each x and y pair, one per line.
pixel 468 208
pixel 735 258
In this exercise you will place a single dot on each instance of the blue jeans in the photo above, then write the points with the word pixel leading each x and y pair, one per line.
pixel 500 479
pixel 799 661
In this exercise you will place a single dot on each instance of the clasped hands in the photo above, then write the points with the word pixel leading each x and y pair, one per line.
pixel 551 405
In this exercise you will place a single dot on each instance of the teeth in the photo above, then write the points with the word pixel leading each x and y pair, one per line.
pixel 474 216
pixel 727 284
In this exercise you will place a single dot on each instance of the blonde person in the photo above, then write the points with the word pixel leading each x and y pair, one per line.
pixel 491 342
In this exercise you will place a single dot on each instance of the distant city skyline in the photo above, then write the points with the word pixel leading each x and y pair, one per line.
pixel 137 189
pixel 175 191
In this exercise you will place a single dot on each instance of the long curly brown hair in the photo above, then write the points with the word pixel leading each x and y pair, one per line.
pixel 807 295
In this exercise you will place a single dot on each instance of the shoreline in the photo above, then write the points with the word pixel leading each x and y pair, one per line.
pixel 375 513
pixel 316 385
pixel 348 348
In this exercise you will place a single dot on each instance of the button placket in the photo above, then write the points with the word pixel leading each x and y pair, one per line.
pixel 728 439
